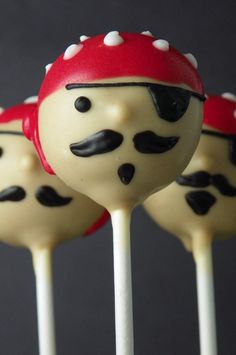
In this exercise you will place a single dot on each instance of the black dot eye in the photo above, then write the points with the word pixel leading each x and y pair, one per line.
pixel 171 103
pixel 1 152
pixel 82 104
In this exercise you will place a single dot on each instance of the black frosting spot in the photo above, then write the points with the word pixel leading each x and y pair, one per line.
pixel 200 201
pixel 126 173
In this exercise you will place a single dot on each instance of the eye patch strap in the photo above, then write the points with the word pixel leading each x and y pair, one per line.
pixel 171 102
pixel 134 83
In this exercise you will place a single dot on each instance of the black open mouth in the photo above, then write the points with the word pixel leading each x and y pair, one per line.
pixel 200 201
pixel 126 173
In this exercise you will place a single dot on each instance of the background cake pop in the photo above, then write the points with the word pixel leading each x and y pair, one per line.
pixel 200 205
pixel 38 211
pixel 206 191
pixel 119 118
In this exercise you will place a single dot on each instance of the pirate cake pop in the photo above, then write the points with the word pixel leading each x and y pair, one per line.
pixel 119 116
pixel 200 205
pixel 38 211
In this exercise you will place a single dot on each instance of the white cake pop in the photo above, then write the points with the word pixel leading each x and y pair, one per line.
pixel 119 118
pixel 200 206
pixel 38 211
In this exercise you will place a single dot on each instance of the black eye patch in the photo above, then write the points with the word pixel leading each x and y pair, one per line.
pixel 171 103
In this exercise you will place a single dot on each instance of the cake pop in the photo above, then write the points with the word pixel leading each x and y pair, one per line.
pixel 119 117
pixel 200 205
pixel 38 211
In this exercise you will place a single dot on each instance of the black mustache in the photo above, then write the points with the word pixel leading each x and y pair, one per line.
pixel 105 141
pixel 204 179
pixel 12 193
pixel 148 142
pixel 101 142
pixel 200 201
pixel 47 196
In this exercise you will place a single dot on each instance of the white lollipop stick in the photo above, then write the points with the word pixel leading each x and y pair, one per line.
pixel 122 282
pixel 42 260
pixel 206 299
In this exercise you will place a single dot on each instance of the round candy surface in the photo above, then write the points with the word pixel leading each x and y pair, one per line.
pixel 37 210
pixel 121 131
pixel 203 198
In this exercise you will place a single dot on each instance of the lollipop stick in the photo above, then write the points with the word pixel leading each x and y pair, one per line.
pixel 42 260
pixel 123 282
pixel 206 299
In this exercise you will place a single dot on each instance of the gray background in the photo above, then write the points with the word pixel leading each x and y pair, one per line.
pixel 33 33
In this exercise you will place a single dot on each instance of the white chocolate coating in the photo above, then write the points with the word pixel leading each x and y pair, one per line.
pixel 170 209
pixel 127 110
pixel 28 223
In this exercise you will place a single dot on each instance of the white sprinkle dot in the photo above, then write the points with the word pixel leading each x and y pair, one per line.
pixel 234 113
pixel 161 44
pixel 1 109
pixel 48 67
pixel 113 39
pixel 147 33
pixel 192 59
pixel 31 100
pixel 72 50
pixel 229 96
pixel 83 38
